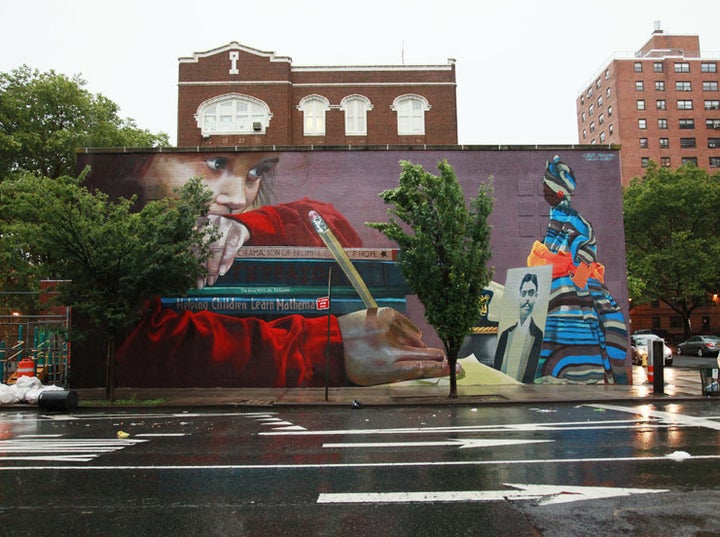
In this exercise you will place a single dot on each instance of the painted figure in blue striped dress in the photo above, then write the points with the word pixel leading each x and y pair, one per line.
pixel 585 332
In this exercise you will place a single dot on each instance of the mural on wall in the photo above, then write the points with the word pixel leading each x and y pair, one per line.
pixel 522 322
pixel 585 336
pixel 263 317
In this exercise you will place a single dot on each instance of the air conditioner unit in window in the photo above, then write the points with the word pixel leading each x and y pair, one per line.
pixel 257 126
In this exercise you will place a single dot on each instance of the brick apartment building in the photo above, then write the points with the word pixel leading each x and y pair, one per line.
pixel 238 96
pixel 661 104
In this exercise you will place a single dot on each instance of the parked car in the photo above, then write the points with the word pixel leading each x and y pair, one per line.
pixel 640 343
pixel 700 345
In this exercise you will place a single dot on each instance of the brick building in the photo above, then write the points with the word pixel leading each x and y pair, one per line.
pixel 238 96
pixel 660 104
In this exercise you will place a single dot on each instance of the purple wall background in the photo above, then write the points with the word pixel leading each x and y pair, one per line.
pixel 352 178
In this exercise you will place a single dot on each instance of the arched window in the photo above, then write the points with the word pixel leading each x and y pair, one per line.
pixel 314 108
pixel 233 113
pixel 410 113
pixel 356 108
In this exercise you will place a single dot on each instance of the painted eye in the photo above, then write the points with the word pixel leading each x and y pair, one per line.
pixel 216 163
pixel 260 170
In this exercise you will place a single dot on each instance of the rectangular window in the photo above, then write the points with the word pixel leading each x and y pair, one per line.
pixel 655 321
pixel 689 160
pixel 676 321
pixel 660 104
pixel 713 143
pixel 687 143
pixel 659 85
pixel 708 67
pixel 712 105
pixel 683 85
pixel 637 66
pixel 684 104
pixel 682 67
pixel 687 124
pixel 643 143
pixel 662 123
pixel 642 123
pixel 644 161
pixel 657 67
pixel 640 105
pixel 639 86
pixel 714 162
pixel 710 86
pixel 664 143
pixel 665 162
pixel 712 123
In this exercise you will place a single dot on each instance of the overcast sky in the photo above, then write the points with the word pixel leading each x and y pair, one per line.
pixel 520 64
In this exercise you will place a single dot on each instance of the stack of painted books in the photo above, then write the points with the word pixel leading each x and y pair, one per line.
pixel 273 281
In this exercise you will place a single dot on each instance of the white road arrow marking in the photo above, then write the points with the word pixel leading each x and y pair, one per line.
pixel 543 494
pixel 462 443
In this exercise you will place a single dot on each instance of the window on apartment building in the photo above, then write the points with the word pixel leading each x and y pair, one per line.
pixel 683 85
pixel 644 162
pixel 657 67
pixel 582 116
pixel 714 162
pixel 607 74
pixel 600 100
pixel 676 321
pixel 609 109
pixel 682 67
pixel 664 143
pixel 607 93
pixel 233 113
pixel 598 83
pixel 713 143
pixel 602 137
pixel 637 66
pixel 589 92
pixel 314 108
pixel 659 85
pixel 687 143
pixel 591 109
pixel 689 160
pixel 611 129
pixel 712 123
pixel 639 85
pixel 684 104
pixel 643 143
pixel 710 85
pixel 356 108
pixel 592 126
pixel 640 104
pixel 655 321
pixel 642 123
pixel 410 114
pixel 687 123
pixel 712 105
pixel 661 104
pixel 601 119
pixel 665 162
pixel 662 123
pixel 584 133
pixel 708 67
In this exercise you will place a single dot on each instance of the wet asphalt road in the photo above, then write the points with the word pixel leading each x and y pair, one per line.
pixel 402 471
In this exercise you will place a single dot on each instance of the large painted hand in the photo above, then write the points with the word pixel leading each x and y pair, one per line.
pixel 233 235
pixel 382 345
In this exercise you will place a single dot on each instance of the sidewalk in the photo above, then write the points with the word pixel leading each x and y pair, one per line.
pixel 680 384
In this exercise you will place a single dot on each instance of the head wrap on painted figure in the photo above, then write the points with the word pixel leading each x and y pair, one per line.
pixel 560 179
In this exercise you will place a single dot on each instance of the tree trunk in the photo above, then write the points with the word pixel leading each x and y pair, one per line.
pixel 452 348
pixel 110 369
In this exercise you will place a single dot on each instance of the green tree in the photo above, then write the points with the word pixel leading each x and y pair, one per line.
pixel 672 237
pixel 45 117
pixel 444 249
pixel 113 259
